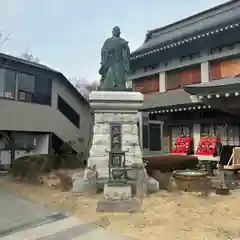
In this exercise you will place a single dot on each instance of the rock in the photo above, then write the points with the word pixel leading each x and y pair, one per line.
pixel 80 187
pixel 92 177
pixel 152 185
pixel 85 184
pixel 77 176
pixel 65 181
pixel 165 180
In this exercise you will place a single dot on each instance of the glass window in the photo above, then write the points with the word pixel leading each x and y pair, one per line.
pixel 43 90
pixel 3 144
pixel 2 73
pixel 155 143
pixel 24 141
pixel 180 131
pixel 26 82
pixel 26 85
pixel 30 88
pixel 7 83
pixel 208 130
pixel 68 112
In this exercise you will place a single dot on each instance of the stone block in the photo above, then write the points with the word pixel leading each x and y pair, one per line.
pixel 165 180
pixel 114 107
pixel 152 185
pixel 117 192
pixel 80 187
pixel 130 205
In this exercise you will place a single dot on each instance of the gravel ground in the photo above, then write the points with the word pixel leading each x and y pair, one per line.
pixel 164 215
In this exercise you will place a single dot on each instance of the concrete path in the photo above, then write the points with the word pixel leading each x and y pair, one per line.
pixel 21 219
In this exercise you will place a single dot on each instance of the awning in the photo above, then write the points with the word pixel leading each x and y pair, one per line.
pixel 223 87
pixel 170 99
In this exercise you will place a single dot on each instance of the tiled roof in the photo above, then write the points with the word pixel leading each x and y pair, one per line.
pixel 207 23
pixel 216 86
pixel 170 98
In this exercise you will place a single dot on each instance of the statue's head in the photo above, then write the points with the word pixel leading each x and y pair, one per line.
pixel 116 31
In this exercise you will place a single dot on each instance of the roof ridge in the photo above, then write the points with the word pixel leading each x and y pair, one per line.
pixel 192 16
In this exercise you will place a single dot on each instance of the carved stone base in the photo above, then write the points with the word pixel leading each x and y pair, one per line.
pixel 109 108
pixel 119 192
pixel 131 205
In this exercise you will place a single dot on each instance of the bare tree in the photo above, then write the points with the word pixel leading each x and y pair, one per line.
pixel 84 86
pixel 27 55
pixel 3 38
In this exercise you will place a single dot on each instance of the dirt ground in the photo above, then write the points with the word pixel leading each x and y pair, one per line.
pixel 164 215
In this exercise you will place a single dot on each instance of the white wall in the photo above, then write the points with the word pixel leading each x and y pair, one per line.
pixel 42 144
pixel 85 116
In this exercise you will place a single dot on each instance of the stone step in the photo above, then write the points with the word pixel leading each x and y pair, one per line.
pixel 100 234
pixel 45 230
pixel 66 229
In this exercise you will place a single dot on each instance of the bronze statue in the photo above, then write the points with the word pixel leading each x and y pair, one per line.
pixel 115 55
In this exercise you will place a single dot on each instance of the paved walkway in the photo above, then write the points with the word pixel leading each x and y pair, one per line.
pixel 21 219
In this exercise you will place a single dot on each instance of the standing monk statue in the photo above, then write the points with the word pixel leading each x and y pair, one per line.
pixel 115 56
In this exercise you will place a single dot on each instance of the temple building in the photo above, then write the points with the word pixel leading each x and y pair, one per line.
pixel 189 73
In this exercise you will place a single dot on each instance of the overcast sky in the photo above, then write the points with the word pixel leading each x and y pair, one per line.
pixel 67 35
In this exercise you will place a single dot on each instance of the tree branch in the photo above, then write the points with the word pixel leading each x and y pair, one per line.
pixel 3 38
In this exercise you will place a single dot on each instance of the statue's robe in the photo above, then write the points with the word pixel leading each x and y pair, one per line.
pixel 114 63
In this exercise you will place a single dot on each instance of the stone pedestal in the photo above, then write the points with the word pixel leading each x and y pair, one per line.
pixel 118 198
pixel 117 193
pixel 109 108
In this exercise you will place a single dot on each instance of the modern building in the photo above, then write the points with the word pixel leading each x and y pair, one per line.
pixel 40 110
pixel 184 69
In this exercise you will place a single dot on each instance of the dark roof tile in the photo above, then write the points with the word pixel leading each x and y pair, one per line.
pixel 166 99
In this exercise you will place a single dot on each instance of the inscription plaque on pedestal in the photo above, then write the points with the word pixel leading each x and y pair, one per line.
pixel 117 172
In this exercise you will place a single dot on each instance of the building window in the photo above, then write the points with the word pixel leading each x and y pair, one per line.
pixel 180 131
pixel 155 143
pixel 24 141
pixel 26 85
pixel 29 88
pixel 68 112
pixel 43 90
pixel 229 134
pixel 206 130
pixel 7 83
